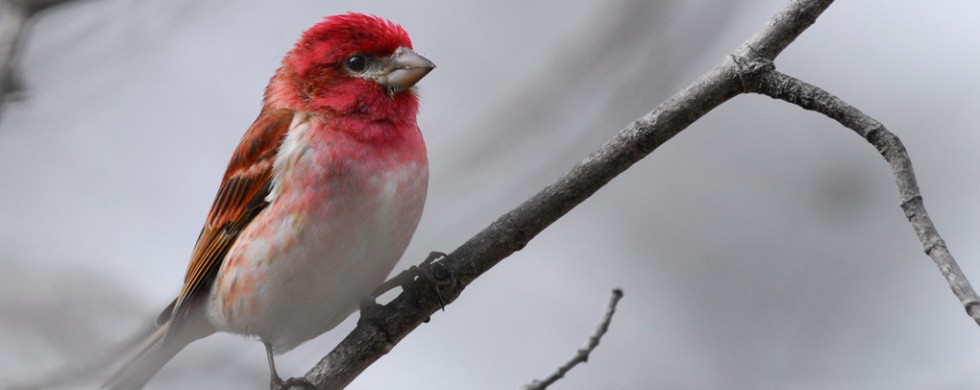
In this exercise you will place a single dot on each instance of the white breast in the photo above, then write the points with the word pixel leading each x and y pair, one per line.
pixel 332 232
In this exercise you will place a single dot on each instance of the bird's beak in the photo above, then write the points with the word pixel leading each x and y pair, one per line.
pixel 404 69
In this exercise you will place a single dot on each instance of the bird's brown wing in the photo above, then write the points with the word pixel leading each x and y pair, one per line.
pixel 240 198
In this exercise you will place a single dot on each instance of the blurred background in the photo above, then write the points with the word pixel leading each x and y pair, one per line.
pixel 761 248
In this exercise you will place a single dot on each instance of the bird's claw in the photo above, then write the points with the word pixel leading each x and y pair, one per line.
pixel 427 271
pixel 303 383
pixel 424 272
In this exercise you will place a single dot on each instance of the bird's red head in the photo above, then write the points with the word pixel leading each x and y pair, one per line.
pixel 348 62
pixel 337 37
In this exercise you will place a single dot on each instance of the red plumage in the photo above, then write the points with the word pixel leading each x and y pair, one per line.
pixel 318 202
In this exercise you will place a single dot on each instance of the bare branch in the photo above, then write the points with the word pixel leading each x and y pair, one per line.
pixel 384 326
pixel 783 87
pixel 15 16
pixel 582 355
pixel 783 28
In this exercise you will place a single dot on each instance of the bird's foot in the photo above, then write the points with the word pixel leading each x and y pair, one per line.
pixel 300 382
pixel 427 271
pixel 276 383
pixel 424 272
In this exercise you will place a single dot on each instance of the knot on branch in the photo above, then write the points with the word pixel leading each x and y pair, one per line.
pixel 972 308
pixel 750 67
pixel 911 205
pixel 937 244
pixel 888 144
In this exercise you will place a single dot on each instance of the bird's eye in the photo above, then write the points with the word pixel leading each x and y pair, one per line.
pixel 356 63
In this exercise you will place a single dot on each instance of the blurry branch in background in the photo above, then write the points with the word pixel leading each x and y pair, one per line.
pixel 749 69
pixel 582 355
pixel 15 17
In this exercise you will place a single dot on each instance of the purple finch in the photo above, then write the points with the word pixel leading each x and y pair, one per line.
pixel 318 203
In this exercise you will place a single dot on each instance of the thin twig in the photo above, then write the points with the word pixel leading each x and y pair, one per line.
pixel 582 355
pixel 787 88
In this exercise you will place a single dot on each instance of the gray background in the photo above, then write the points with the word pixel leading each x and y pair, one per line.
pixel 761 248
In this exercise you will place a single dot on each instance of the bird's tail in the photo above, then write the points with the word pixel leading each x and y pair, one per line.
pixel 156 351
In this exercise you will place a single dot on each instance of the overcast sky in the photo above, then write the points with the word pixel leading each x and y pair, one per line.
pixel 761 248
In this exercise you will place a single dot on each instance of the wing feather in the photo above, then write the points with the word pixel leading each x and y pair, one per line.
pixel 241 197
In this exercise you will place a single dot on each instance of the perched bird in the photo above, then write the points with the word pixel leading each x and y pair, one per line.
pixel 318 203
